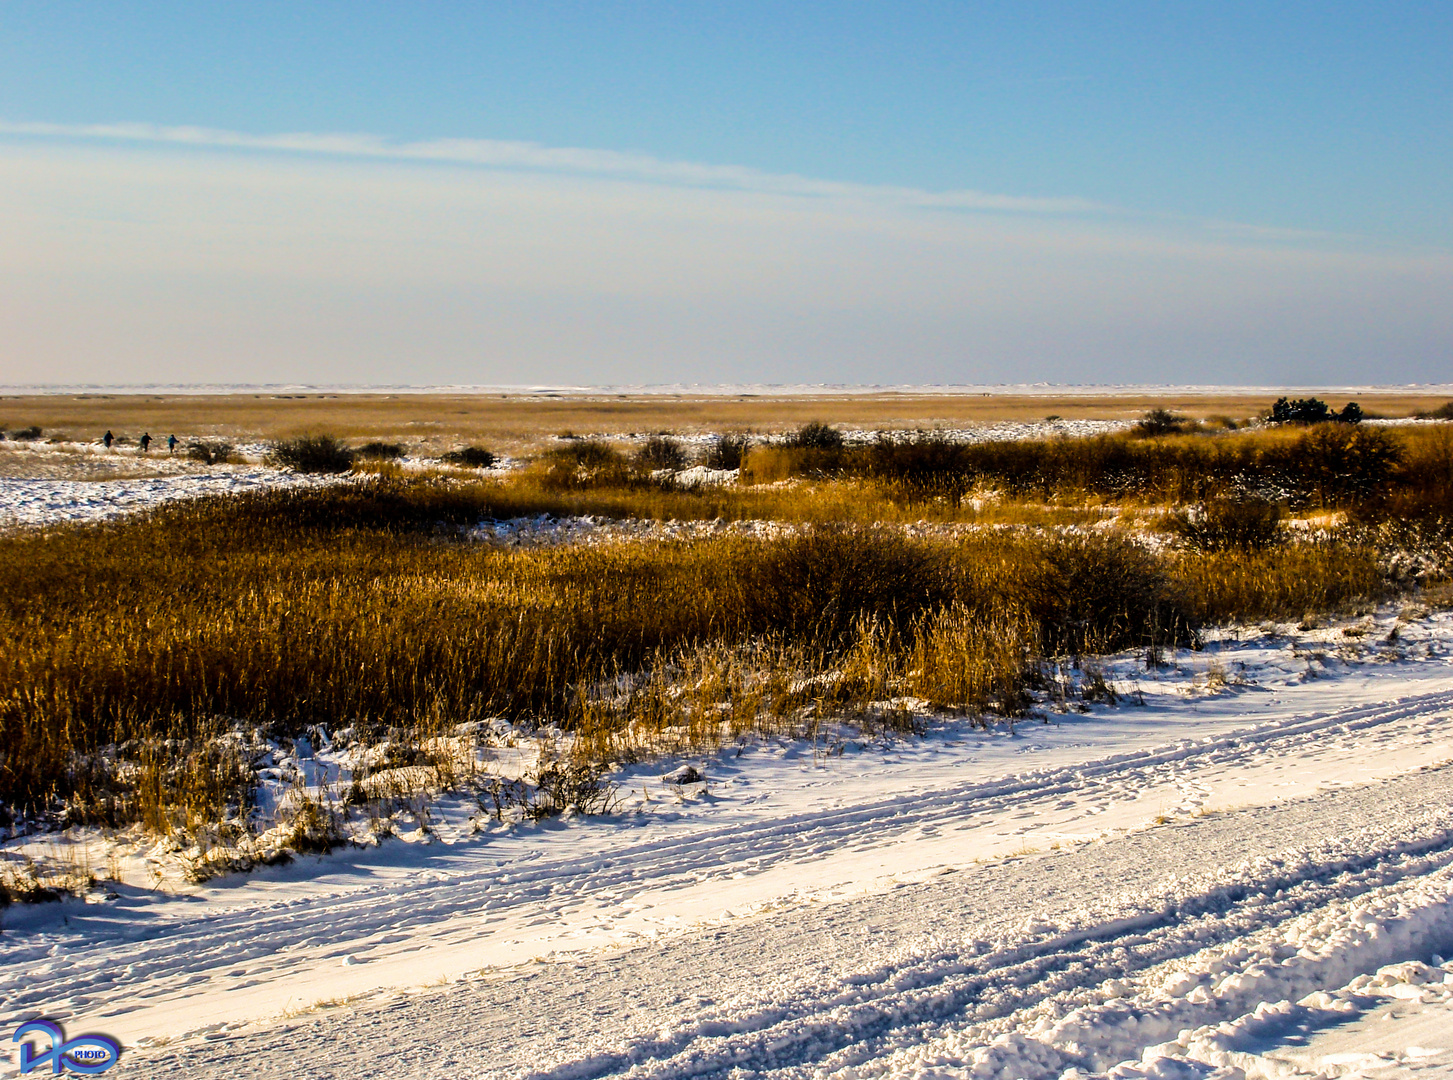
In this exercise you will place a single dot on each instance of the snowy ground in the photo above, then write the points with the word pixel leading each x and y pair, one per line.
pixel 1249 871
pixel 45 483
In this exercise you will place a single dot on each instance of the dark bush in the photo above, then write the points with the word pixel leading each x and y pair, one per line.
pixel 1160 422
pixel 471 457
pixel 1230 525
pixel 1313 411
pixel 1090 593
pixel 1442 412
pixel 589 453
pixel 1300 411
pixel 818 584
pixel 210 452
pixel 816 435
pixel 922 466
pixel 660 452
pixel 29 434
pixel 583 463
pixel 726 453
pixel 380 451
pixel 311 454
pixel 1346 464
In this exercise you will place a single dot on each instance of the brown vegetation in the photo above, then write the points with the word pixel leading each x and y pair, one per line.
pixel 143 655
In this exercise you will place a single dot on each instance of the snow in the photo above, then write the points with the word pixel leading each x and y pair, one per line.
pixel 1272 825
pixel 50 502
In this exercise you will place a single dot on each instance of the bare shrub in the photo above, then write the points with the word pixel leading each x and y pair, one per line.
pixel 660 452
pixel 1347 464
pixel 582 464
pixel 311 454
pixel 1160 422
pixel 819 583
pixel 577 786
pixel 211 452
pixel 380 451
pixel 726 452
pixel 1229 525
pixel 471 457
pixel 1091 593
pixel 815 435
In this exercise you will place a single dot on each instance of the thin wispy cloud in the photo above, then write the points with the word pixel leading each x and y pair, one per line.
pixel 348 258
pixel 526 156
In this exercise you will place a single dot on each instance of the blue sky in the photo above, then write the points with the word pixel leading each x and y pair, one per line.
pixel 603 192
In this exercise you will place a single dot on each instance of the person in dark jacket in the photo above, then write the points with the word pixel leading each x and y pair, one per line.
pixel 146 442
pixel 171 444
pixel 108 439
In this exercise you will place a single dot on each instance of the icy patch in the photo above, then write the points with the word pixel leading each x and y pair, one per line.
pixel 52 502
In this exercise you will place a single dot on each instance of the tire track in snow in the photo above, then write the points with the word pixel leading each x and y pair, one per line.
pixel 867 1010
pixel 999 972
pixel 110 973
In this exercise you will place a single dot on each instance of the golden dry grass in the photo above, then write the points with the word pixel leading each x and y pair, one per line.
pixel 141 655
pixel 133 649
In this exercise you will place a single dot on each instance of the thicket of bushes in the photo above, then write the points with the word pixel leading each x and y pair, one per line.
pixel 1324 465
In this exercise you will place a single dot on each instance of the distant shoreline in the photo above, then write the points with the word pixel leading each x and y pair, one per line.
pixel 769 390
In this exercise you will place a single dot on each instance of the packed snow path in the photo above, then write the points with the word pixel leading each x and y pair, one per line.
pixel 869 838
pixel 1029 967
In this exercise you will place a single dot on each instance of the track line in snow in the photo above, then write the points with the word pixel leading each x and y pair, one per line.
pixel 130 967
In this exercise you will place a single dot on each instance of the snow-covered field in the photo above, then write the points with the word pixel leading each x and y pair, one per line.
pixel 1250 871
pixel 49 483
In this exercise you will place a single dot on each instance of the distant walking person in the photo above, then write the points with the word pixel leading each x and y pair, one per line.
pixel 108 439
pixel 146 442
pixel 171 444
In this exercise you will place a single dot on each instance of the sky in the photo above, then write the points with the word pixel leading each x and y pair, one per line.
pixel 595 193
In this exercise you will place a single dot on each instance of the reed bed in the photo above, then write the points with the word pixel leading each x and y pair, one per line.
pixel 143 657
